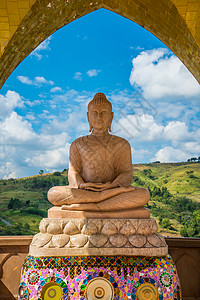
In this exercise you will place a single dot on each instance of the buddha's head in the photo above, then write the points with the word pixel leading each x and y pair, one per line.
pixel 100 113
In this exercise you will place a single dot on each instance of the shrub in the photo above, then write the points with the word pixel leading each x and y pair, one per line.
pixel 36 211
pixel 14 203
pixel 57 173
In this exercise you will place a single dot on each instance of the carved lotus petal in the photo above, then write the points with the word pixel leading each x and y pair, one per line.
pixel 143 228
pixel 127 229
pixel 41 239
pixel 98 223
pixel 71 228
pixel 89 228
pixel 98 240
pixel 154 240
pixel 43 225
pixel 79 223
pixel 60 240
pixel 36 237
pixel 54 227
pixel 162 239
pixel 118 240
pixel 154 227
pixel 78 240
pixel 109 228
pixel 137 240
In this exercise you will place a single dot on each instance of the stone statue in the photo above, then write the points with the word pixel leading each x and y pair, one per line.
pixel 100 168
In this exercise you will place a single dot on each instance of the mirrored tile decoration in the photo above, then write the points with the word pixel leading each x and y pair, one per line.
pixel 102 277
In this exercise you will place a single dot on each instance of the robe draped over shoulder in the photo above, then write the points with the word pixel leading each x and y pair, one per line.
pixel 96 160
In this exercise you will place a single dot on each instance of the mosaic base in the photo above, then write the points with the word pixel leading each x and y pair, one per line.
pixel 100 277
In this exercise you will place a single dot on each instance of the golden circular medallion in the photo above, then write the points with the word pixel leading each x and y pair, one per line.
pixel 99 289
pixel 51 291
pixel 99 292
pixel 147 291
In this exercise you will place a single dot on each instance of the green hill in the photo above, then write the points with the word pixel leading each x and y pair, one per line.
pixel 174 188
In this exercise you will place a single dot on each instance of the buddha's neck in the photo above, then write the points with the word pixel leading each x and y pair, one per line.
pixel 100 134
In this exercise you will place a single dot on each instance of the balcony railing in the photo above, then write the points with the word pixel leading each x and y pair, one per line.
pixel 184 251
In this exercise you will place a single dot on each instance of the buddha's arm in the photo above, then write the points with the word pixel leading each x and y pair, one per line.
pixel 124 169
pixel 74 177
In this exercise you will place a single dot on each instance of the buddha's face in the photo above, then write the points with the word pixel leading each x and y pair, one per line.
pixel 100 117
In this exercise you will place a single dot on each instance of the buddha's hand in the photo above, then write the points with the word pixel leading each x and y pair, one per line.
pixel 96 187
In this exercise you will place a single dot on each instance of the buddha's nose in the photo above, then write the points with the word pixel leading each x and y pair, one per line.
pixel 99 116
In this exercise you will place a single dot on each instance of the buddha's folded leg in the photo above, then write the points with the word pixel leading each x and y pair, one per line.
pixel 130 200
pixel 59 195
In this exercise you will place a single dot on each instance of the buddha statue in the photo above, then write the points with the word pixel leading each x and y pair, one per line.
pixel 100 168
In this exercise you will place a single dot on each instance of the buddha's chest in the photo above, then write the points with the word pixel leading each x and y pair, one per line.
pixel 98 162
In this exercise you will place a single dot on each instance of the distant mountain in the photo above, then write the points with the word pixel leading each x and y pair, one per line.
pixel 174 188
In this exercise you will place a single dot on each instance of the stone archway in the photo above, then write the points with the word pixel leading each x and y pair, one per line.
pixel 39 19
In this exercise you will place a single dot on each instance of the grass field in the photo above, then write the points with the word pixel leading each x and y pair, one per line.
pixel 174 187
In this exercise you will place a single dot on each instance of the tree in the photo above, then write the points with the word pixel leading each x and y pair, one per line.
pixel 57 173
pixel 166 223
pixel 183 231
pixel 41 172
pixel 14 203
pixel 193 159
pixel 26 226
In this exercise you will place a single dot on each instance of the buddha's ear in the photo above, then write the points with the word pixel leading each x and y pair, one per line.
pixel 109 126
pixel 89 122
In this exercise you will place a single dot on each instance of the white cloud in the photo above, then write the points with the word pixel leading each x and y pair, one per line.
pixel 55 89
pixel 30 117
pixel 171 110
pixel 170 154
pixel 66 124
pixel 140 127
pixel 93 72
pixel 193 147
pixel 9 102
pixel 43 46
pixel 15 130
pixel 78 76
pixel 8 170
pixel 177 131
pixel 50 159
pixel 140 154
pixel 160 74
pixel 51 141
pixel 25 79
pixel 41 80
pixel 22 149
pixel 38 80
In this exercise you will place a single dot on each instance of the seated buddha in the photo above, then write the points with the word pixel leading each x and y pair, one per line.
pixel 100 168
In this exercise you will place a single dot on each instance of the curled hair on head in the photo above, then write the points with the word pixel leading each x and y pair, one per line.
pixel 99 98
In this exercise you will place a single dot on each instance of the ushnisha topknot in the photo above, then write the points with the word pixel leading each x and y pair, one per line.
pixel 99 98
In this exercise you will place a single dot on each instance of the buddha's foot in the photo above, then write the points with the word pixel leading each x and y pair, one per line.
pixel 82 206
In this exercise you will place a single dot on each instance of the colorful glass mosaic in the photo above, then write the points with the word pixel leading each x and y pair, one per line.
pixel 67 278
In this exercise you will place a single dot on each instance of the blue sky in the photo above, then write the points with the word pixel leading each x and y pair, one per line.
pixel 43 103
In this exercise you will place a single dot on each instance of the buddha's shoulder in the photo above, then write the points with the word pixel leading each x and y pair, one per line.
pixel 119 140
pixel 84 141
pixel 80 142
